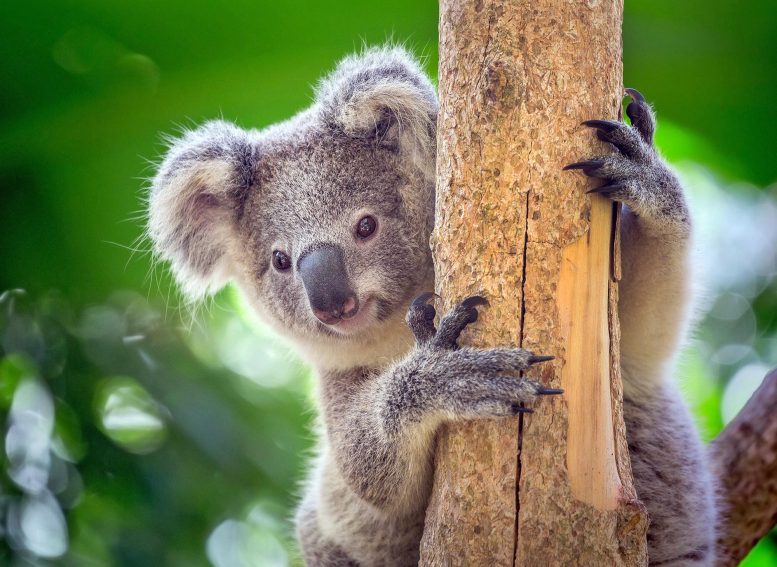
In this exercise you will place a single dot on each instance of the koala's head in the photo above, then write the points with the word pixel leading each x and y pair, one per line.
pixel 323 220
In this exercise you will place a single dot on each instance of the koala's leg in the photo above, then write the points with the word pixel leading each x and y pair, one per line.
pixel 670 470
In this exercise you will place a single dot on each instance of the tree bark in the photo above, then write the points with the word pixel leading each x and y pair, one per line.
pixel 554 488
pixel 745 462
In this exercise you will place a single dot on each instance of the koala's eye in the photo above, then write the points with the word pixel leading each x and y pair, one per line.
pixel 366 227
pixel 280 260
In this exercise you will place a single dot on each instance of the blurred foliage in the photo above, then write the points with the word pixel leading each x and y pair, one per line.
pixel 133 438
pixel 144 440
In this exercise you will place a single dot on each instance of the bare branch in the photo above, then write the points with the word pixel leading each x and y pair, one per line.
pixel 745 460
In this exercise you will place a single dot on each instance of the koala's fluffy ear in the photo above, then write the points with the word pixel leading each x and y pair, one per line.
pixel 195 200
pixel 383 94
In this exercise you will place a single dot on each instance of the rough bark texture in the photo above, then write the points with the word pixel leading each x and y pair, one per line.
pixel 516 80
pixel 745 460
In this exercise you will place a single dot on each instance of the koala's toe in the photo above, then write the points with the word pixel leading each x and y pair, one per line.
pixel 641 115
pixel 541 390
pixel 422 306
pixel 606 126
pixel 608 189
pixel 590 167
pixel 517 390
pixel 613 168
pixel 420 318
pixel 474 301
pixel 486 394
pixel 626 139
pixel 499 360
pixel 456 320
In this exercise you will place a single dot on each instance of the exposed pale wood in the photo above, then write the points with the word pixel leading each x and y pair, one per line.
pixel 583 297
pixel 516 80
pixel 745 459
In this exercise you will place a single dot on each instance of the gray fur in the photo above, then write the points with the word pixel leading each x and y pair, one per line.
pixel 225 198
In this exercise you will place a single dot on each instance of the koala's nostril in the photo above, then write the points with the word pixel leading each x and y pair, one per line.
pixel 347 309
pixel 350 307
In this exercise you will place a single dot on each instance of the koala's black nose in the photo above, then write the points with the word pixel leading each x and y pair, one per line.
pixel 331 298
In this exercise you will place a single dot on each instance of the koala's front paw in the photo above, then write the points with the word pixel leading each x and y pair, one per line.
pixel 471 382
pixel 636 175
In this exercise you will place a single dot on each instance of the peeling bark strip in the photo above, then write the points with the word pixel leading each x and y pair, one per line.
pixel 515 81
pixel 745 460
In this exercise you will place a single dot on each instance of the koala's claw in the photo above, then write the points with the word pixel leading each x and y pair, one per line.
pixel 588 166
pixel 603 125
pixel 499 396
pixel 635 95
pixel 424 298
pixel 535 358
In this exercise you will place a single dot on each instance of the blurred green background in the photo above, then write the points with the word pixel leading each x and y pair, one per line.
pixel 135 432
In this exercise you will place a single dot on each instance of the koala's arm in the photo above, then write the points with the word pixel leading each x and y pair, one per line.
pixel 654 294
pixel 381 427
pixel 669 463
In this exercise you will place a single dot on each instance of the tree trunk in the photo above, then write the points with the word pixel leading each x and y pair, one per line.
pixel 553 488
pixel 745 462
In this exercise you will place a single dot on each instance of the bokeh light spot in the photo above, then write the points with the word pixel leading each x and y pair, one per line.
pixel 740 388
pixel 129 415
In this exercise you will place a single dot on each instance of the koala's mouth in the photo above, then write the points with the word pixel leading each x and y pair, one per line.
pixel 365 317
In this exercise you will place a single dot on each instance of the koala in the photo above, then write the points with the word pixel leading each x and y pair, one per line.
pixel 323 224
